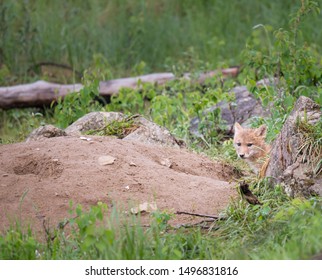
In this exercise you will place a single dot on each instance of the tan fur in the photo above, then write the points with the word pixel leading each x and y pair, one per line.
pixel 250 145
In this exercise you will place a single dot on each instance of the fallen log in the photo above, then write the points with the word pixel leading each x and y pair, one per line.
pixel 42 93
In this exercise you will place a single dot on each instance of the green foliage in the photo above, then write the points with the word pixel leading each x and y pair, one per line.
pixel 77 104
pixel 15 244
pixel 174 104
pixel 273 230
pixel 15 125
pixel 292 66
pixel 128 101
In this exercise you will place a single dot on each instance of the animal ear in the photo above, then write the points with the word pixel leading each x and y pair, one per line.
pixel 261 131
pixel 237 127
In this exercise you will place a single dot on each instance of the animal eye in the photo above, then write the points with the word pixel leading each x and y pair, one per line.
pixel 249 144
pixel 238 144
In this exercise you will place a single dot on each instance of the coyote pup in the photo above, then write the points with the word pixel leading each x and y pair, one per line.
pixel 250 145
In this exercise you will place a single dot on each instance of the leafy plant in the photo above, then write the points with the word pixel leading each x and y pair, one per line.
pixel 75 105
pixel 293 67
pixel 290 66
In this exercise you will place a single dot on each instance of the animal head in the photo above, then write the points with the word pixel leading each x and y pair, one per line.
pixel 250 143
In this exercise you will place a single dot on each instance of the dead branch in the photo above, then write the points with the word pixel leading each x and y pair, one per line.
pixel 202 224
pixel 198 215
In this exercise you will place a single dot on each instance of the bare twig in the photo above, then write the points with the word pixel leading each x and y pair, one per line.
pixel 200 224
pixel 198 215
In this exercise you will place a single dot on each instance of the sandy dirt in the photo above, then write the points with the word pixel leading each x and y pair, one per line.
pixel 50 173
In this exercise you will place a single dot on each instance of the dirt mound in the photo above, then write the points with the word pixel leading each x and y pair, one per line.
pixel 38 179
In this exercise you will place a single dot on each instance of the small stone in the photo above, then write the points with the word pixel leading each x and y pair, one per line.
pixel 132 163
pixel 5 175
pixel 145 207
pixel 37 149
pixel 166 162
pixel 85 138
pixel 106 160
pixel 55 160
pixel 127 187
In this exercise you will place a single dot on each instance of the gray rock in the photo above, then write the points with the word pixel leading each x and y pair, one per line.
pixel 45 131
pixel 287 165
pixel 146 132
pixel 92 121
pixel 150 133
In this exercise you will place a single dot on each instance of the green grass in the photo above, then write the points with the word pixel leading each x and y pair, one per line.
pixel 15 125
pixel 161 33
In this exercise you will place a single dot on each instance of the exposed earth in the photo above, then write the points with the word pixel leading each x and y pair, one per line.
pixel 39 178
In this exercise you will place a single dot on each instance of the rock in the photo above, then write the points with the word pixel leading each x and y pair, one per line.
pixel 146 132
pixel 45 131
pixel 106 160
pixel 289 165
pixel 240 110
pixel 92 121
pixel 166 162
pixel 145 207
pixel 86 138
pixel 150 133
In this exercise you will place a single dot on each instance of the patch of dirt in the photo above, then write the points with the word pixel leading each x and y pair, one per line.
pixel 38 179
pixel 40 165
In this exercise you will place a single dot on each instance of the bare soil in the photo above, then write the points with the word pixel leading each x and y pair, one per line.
pixel 38 179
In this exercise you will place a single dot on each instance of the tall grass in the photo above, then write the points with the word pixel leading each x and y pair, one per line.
pixel 126 32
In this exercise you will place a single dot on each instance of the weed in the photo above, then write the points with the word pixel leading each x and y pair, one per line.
pixel 310 148
pixel 118 128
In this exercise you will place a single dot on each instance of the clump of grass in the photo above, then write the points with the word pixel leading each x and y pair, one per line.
pixel 118 128
pixel 310 148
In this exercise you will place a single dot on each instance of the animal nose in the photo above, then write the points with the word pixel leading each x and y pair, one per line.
pixel 242 155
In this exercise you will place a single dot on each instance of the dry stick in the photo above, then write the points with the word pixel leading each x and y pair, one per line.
pixel 198 215
pixel 199 224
